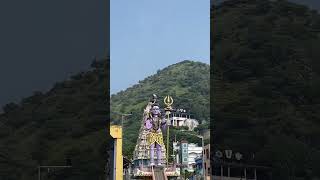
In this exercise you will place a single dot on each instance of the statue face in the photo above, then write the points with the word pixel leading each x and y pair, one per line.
pixel 155 110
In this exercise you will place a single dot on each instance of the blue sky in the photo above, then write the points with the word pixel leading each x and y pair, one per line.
pixel 147 35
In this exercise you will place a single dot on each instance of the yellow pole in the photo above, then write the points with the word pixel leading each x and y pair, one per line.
pixel 116 133
pixel 168 139
pixel 168 101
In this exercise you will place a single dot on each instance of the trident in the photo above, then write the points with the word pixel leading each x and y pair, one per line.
pixel 168 101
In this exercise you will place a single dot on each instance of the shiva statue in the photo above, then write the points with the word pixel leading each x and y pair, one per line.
pixel 154 123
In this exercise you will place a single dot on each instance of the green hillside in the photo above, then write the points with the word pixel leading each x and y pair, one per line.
pixel 266 84
pixel 69 121
pixel 187 82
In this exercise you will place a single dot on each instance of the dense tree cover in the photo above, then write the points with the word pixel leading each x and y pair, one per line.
pixel 187 82
pixel 69 121
pixel 266 77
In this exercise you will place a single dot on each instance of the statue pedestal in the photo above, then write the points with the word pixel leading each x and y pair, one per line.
pixel 158 173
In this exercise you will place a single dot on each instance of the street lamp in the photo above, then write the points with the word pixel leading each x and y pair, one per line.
pixel 202 142
pixel 123 115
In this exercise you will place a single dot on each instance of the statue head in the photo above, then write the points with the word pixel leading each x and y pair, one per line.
pixel 155 110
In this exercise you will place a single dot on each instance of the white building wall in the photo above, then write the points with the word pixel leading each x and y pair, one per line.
pixel 184 121
pixel 194 151
pixel 176 146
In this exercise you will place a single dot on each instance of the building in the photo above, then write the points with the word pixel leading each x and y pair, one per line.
pixel 206 153
pixel 200 162
pixel 237 171
pixel 228 165
pixel 194 151
pixel 127 165
pixel 198 168
pixel 186 154
pixel 180 118
pixel 117 158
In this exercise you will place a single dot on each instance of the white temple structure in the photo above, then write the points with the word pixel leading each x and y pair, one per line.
pixel 181 118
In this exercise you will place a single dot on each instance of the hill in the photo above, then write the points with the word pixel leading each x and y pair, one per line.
pixel 69 121
pixel 266 82
pixel 187 82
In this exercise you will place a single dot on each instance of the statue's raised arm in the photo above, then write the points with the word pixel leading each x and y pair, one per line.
pixel 147 112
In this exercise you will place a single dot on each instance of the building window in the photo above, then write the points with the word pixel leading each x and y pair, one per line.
pixel 184 145
pixel 185 159
pixel 184 151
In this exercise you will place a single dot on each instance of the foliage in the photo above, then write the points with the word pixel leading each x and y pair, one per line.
pixel 70 120
pixel 187 82
pixel 46 128
pixel 266 83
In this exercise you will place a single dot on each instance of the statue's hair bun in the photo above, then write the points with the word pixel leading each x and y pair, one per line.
pixel 155 104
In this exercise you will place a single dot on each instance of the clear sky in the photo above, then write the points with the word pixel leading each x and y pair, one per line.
pixel 147 35
pixel 44 42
